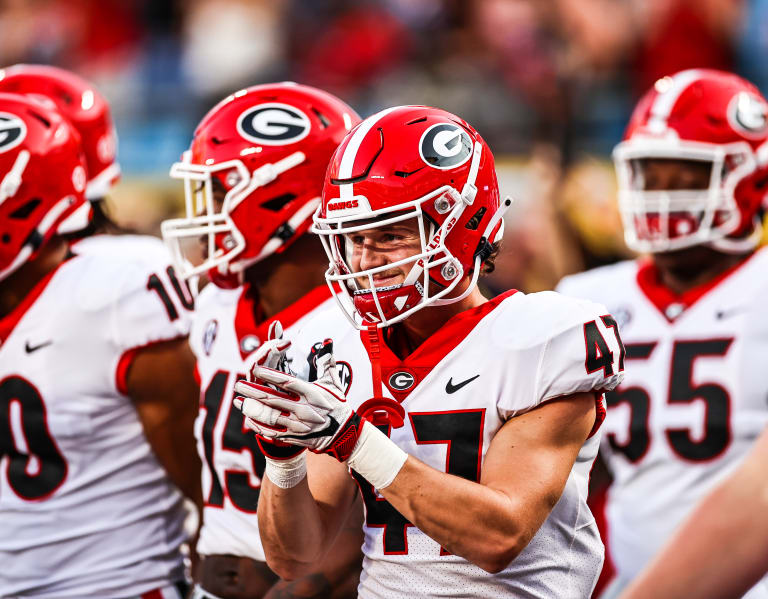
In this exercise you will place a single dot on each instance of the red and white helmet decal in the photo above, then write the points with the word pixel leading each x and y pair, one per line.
pixel 445 145
pixel 273 124
pixel 12 131
pixel 748 113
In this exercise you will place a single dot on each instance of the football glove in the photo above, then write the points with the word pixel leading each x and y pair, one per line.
pixel 272 354
pixel 281 407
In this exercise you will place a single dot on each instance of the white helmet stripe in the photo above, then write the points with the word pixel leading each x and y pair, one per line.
pixel 350 152
pixel 670 89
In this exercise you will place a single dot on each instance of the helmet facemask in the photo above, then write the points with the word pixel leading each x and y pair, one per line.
pixel 432 273
pixel 668 220
pixel 209 220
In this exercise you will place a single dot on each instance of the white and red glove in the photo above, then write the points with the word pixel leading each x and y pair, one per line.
pixel 281 407
pixel 285 464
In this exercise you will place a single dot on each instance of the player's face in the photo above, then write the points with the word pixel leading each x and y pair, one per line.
pixel 671 175
pixel 379 246
pixel 219 193
pixel 661 174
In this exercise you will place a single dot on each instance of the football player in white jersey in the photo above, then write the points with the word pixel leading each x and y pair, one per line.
pixel 253 177
pixel 468 424
pixel 86 509
pixel 143 257
pixel 693 170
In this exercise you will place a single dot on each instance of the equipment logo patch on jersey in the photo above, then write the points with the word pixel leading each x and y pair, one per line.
pixel 273 124
pixel 12 131
pixel 623 315
pixel 401 380
pixel 445 146
pixel 345 375
pixel 209 335
pixel 249 343
pixel 748 114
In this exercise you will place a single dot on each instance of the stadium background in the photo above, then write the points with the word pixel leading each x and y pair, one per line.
pixel 548 83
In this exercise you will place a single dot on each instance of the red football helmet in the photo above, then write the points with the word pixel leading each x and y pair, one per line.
pixel 42 179
pixel 410 162
pixel 84 107
pixel 696 115
pixel 266 149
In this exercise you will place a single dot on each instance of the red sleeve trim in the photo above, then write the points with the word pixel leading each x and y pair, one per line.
pixel 126 360
pixel 600 413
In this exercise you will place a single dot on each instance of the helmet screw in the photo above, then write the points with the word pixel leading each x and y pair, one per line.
pixel 442 205
pixel 229 242
pixel 233 178
pixel 449 272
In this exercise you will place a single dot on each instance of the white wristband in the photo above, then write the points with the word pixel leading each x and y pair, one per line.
pixel 286 474
pixel 376 457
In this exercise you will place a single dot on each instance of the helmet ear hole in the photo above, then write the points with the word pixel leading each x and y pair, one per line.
pixel 24 211
pixel 278 203
pixel 474 222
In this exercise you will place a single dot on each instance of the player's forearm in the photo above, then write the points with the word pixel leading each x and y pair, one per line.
pixel 489 528
pixel 172 441
pixel 291 528
pixel 724 541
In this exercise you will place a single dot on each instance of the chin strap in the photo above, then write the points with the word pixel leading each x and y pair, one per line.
pixel 374 351
pixel 12 180
pixel 379 410
pixel 482 249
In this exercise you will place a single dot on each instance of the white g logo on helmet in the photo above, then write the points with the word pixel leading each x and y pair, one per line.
pixel 273 124
pixel 12 131
pixel 79 179
pixel 748 114
pixel 445 145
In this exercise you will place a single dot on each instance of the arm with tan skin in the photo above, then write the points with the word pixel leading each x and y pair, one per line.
pixel 162 385
pixel 523 475
pixel 721 550
pixel 338 575
pixel 299 525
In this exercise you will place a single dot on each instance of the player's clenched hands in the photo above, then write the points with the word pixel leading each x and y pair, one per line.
pixel 281 407
pixel 290 414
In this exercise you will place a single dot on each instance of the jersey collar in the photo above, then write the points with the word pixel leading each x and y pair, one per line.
pixel 251 327
pixel 670 304
pixel 10 320
pixel 424 358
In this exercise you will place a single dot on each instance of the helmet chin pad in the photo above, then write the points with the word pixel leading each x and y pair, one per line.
pixel 225 280
pixel 393 300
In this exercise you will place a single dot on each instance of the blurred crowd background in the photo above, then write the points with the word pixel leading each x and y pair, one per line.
pixel 550 84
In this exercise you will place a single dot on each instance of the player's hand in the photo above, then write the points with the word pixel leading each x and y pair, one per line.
pixel 272 354
pixel 281 407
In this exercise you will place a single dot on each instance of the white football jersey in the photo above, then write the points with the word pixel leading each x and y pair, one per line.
pixel 483 367
pixel 85 507
pixel 225 331
pixel 693 400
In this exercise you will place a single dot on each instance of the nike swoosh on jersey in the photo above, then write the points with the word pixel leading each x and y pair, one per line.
pixel 722 314
pixel 33 348
pixel 451 388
